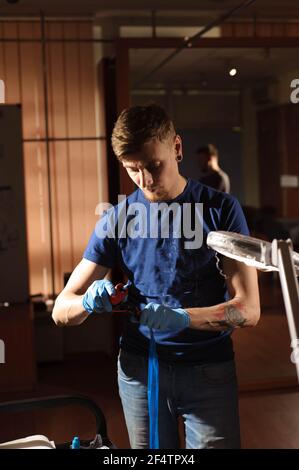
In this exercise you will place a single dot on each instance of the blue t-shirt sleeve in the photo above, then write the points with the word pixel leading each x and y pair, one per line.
pixel 232 217
pixel 102 246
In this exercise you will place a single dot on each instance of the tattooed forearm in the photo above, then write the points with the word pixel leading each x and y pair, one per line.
pixel 233 318
pixel 229 315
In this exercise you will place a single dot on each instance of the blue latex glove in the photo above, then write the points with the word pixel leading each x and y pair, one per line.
pixel 163 318
pixel 96 298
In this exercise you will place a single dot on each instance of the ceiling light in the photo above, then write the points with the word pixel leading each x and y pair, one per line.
pixel 233 72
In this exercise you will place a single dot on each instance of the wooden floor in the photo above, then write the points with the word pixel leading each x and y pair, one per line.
pixel 270 420
pixel 263 353
pixel 269 395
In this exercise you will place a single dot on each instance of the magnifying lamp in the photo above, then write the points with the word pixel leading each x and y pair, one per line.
pixel 277 255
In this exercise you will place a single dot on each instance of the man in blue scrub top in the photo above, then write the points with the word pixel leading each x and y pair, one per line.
pixel 189 299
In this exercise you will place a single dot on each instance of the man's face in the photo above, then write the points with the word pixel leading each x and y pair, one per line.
pixel 154 169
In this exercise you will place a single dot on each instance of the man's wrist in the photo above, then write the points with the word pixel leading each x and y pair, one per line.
pixel 186 316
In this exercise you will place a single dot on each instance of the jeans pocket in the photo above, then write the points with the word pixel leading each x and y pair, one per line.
pixel 131 367
pixel 219 373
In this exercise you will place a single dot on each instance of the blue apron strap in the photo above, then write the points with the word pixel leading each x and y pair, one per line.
pixel 153 394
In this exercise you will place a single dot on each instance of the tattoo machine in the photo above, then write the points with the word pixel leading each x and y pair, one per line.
pixel 120 302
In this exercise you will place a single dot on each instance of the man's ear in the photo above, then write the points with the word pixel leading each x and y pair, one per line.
pixel 178 145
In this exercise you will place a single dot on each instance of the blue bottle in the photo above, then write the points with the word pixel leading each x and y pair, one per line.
pixel 75 443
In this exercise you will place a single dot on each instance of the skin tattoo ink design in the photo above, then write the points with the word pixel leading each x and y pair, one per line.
pixel 232 317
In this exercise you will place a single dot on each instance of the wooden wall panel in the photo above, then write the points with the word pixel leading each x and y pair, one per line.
pixel 227 30
pixel 260 29
pixel 264 30
pixel 35 160
pixel 57 84
pixel 292 30
pixel 61 209
pixel 12 65
pixel 2 57
pixel 91 197
pixel 20 66
pixel 278 29
pixel 77 167
pixel 72 78
pixel 74 165
pixel 245 30
pixel 101 117
pixel 123 101
pixel 30 77
pixel 103 168
pixel 58 153
pixel 37 207
pixel 29 30
pixel 107 87
pixel 87 64
pixel 77 235
pixel 74 149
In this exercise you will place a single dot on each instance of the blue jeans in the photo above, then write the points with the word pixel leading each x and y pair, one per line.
pixel 205 396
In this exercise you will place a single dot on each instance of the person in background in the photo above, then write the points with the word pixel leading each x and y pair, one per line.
pixel 210 172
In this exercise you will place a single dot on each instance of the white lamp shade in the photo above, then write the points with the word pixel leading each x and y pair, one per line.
pixel 249 250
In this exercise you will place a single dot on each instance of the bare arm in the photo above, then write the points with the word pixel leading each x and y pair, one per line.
pixel 68 307
pixel 243 310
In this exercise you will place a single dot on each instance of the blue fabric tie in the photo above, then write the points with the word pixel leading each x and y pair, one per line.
pixel 153 393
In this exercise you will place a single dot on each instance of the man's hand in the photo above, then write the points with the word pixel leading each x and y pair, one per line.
pixel 96 298
pixel 163 318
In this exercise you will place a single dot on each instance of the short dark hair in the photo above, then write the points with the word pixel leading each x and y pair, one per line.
pixel 137 125
pixel 209 150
